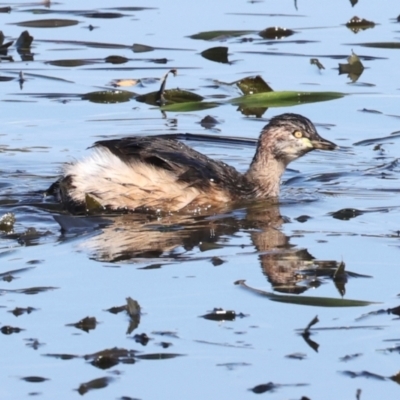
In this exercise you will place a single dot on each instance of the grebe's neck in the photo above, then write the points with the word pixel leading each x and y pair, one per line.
pixel 265 172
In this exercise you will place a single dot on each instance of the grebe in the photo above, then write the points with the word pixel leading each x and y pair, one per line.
pixel 154 173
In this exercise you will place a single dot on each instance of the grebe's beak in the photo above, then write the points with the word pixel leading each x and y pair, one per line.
pixel 323 144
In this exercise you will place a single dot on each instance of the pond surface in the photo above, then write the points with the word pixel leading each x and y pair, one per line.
pixel 330 248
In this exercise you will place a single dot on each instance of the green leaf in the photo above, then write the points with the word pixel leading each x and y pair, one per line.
pixel 252 85
pixel 170 96
pixel 307 300
pixel 189 106
pixel 284 98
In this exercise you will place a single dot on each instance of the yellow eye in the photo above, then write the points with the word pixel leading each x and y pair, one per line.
pixel 297 134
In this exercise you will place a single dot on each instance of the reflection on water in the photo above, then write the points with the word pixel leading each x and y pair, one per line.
pixel 171 239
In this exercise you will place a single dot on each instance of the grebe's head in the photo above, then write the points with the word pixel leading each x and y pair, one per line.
pixel 290 136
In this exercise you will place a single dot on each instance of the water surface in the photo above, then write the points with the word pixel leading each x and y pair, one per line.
pixel 339 207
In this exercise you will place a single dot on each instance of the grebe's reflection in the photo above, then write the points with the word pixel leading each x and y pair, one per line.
pixel 161 240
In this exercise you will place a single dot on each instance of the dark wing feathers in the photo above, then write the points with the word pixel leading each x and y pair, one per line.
pixel 189 165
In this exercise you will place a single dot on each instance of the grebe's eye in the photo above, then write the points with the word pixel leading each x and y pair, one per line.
pixel 298 134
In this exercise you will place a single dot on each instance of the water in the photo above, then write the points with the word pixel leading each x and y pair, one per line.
pixel 182 267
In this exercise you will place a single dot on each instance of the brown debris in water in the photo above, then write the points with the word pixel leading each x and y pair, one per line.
pixel 357 24
pixel 86 324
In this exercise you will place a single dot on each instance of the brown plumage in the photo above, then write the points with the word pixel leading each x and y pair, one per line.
pixel 155 173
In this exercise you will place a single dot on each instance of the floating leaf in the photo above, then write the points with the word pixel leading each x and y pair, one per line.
pixel 214 35
pixel 141 48
pixel 395 378
pixel 346 213
pixel 34 379
pixel 108 96
pixel 129 8
pixel 252 85
pixel 218 314
pixel 307 300
pixel 9 330
pixel 354 68
pixel 24 41
pixel 99 383
pixel 9 275
pixel 48 23
pixel 284 98
pixel 159 356
pixel 70 63
pixel 276 33
pixel 363 374
pixel 5 46
pixel 314 321
pixel 33 290
pixel 217 54
pixel 116 60
pixel 368 142
pixel 189 106
pixel 133 310
pixel 7 222
pixel 106 15
pixel 86 324
pixel 97 45
pixel 356 24
pixel 272 387
pixel 17 311
pixel 350 357
pixel 315 61
pixel 380 45
pixel 62 356
pixel 171 96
